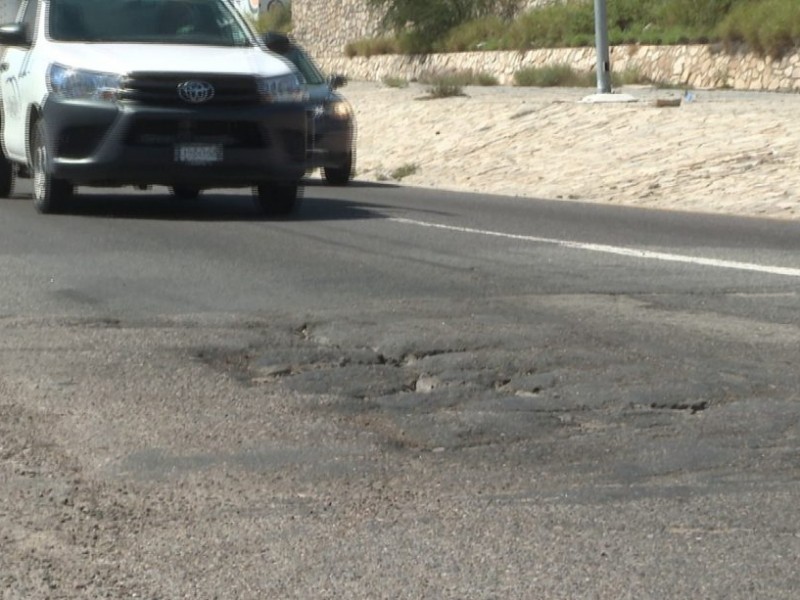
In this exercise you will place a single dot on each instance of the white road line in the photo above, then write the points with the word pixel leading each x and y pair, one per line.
pixel 618 250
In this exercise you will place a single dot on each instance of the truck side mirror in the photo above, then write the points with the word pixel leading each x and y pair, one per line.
pixel 14 34
pixel 277 42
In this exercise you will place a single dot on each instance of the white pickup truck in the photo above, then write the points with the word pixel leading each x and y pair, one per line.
pixel 179 93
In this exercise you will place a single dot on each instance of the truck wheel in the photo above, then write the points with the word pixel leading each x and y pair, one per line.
pixel 278 199
pixel 185 192
pixel 7 176
pixel 340 175
pixel 50 195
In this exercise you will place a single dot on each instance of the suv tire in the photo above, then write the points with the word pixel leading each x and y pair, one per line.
pixel 340 175
pixel 278 199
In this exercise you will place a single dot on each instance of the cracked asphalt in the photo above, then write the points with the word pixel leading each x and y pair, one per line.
pixel 237 460
pixel 196 403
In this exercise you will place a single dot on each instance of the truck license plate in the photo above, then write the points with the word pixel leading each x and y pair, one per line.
pixel 198 154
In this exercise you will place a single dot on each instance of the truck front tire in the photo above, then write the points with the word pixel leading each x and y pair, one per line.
pixel 50 195
pixel 185 192
pixel 7 176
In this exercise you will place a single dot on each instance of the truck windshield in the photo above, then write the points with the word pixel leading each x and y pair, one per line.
pixel 203 22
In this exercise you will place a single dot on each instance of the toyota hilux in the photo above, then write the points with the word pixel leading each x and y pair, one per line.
pixel 176 93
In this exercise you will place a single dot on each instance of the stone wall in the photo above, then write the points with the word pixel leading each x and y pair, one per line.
pixel 697 66
pixel 325 26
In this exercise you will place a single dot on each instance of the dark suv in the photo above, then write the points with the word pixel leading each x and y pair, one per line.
pixel 331 123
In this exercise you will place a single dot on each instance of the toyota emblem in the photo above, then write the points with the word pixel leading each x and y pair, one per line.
pixel 195 92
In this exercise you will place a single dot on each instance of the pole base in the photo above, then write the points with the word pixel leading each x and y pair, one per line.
pixel 598 98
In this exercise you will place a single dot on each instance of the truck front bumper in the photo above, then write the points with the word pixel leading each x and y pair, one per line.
pixel 103 143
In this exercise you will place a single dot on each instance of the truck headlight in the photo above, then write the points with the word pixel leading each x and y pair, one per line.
pixel 284 88
pixel 78 84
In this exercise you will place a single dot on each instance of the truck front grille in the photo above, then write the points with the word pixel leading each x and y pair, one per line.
pixel 161 89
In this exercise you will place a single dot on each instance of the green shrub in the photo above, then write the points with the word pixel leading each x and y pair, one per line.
pixel 446 85
pixel 404 171
pixel 444 90
pixel 421 25
pixel 693 14
pixel 458 79
pixel 414 42
pixel 394 82
pixel 550 26
pixel 566 76
pixel 371 47
pixel 478 34
pixel 553 76
pixel 485 80
pixel 630 76
pixel 771 27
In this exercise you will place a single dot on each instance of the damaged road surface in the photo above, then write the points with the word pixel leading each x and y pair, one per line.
pixel 400 394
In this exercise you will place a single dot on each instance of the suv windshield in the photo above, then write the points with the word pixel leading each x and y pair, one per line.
pixel 205 22
pixel 308 69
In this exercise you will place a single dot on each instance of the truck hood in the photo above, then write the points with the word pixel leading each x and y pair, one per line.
pixel 127 58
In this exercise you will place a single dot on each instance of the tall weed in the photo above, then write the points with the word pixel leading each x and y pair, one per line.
pixel 771 27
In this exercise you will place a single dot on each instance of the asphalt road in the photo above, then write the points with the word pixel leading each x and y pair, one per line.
pixel 397 394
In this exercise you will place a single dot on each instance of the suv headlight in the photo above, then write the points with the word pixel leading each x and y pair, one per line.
pixel 284 88
pixel 79 84
pixel 339 109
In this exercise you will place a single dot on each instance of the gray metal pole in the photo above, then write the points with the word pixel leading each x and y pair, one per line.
pixel 601 42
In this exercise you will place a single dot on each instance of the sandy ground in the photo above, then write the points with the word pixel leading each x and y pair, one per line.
pixel 717 151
